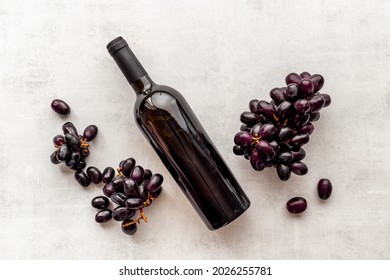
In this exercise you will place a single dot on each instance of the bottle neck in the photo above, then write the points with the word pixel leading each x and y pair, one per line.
pixel 131 68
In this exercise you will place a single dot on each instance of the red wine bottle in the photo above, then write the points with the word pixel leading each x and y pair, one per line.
pixel 171 127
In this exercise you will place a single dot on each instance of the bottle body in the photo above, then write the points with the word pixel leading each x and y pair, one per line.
pixel 173 130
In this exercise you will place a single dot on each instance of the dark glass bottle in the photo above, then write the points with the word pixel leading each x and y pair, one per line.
pixel 171 127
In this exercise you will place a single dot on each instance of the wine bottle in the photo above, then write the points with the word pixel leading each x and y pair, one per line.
pixel 171 127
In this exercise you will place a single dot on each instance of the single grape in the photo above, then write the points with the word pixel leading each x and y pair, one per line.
pixel 244 127
pixel 100 202
pixel 296 205
pixel 285 157
pixel 253 105
pixel 81 164
pixel 243 138
pixel 299 140
pixel 293 78
pixel 73 141
pixel 118 198
pixel 143 192
pixel 305 75
pixel 130 188
pixel 266 109
pixel 268 131
pixel 265 149
pixel 299 121
pixel 257 161
pixel 137 174
pixel 129 226
pixel 283 171
pixel 90 132
pixel 108 174
pixel 157 193
pixel 298 168
pixel 58 140
pixel 108 189
pixel 327 99
pixel 285 133
pixel 122 213
pixel 239 151
pixel 63 152
pixel 69 127
pixel 117 182
pixel 324 189
pixel 127 166
pixel 82 178
pixel 283 109
pixel 314 116
pixel 249 118
pixel 298 154
pixel 277 95
pixel 94 174
pixel 255 130
pixel 308 128
pixel 301 106
pixel 73 159
pixel 84 152
pixel 147 174
pixel 316 103
pixel 318 81
pixel 53 157
pixel 103 216
pixel 134 203
pixel 306 88
pixel 292 92
pixel 155 183
pixel 60 107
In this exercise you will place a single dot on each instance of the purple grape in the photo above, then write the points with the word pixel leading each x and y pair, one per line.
pixel 60 107
pixel 63 152
pixel 155 183
pixel 53 157
pixel 316 103
pixel 299 140
pixel 118 198
pixel 299 154
pixel 265 149
pixel 285 133
pixel 129 226
pixel 73 159
pixel 296 205
pixel 314 116
pixel 293 78
pixel 81 164
pixel 268 131
pixel 308 128
pixel 299 120
pixel 285 157
pixel 134 203
pixel 266 109
pixel 127 166
pixel 69 127
pixel 147 174
pixel 117 183
pixel 157 193
pixel 108 189
pixel 137 174
pixel 58 140
pixel 244 127
pixel 94 174
pixel 318 81
pixel 243 138
pixel 324 188
pixel 253 105
pixel 90 132
pixel 122 213
pixel 298 168
pixel 249 118
pixel 283 171
pixel 305 75
pixel 108 174
pixel 306 88
pixel 239 151
pixel 302 106
pixel 255 130
pixel 82 178
pixel 327 99
pixel 292 92
pixel 143 192
pixel 100 202
pixel 103 216
pixel 257 162
pixel 84 152
pixel 277 95
pixel 130 188
pixel 73 141
pixel 283 109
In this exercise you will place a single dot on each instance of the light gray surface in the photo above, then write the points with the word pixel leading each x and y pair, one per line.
pixel 219 54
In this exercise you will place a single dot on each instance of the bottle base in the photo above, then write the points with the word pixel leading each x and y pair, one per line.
pixel 220 224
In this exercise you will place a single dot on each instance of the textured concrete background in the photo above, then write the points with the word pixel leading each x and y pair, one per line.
pixel 219 54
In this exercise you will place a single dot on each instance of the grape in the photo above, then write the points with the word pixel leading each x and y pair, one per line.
pixel 134 203
pixel 285 133
pixel 296 205
pixel 299 140
pixel 143 192
pixel 327 99
pixel 293 78
pixel 122 213
pixel 84 152
pixel 73 141
pixel 243 138
pixel 90 132
pixel 58 140
pixel 283 109
pixel 299 154
pixel 316 103
pixel 94 174
pixel 255 130
pixel 82 178
pixel 73 159
pixel 324 188
pixel 257 162
pixel 79 165
pixel 108 189
pixel 155 183
pixel 240 151
pixel 100 202
pixel 277 95
pixel 253 105
pixel 265 108
pixel 103 216
pixel 249 118
pixel 298 168
pixel 268 131
pixel 130 188
pixel 118 198
pixel 244 127
pixel 147 174
pixel 117 182
pixel 129 226
pixel 108 174
pixel 292 92
pixel 283 171
pixel 299 120
pixel 63 152
pixel 60 107
pixel 314 116
pixel 265 149
pixel 127 166
pixel 53 157
pixel 305 75
pixel 302 106
pixel 318 81
pixel 306 88
pixel 285 157
pixel 69 128
pixel 137 174
pixel 308 128
pixel 157 193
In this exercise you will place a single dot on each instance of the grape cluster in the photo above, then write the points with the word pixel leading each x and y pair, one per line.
pixel 274 132
pixel 72 148
pixel 131 189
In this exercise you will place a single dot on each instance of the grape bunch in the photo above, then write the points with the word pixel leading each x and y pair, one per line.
pixel 274 132
pixel 131 189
